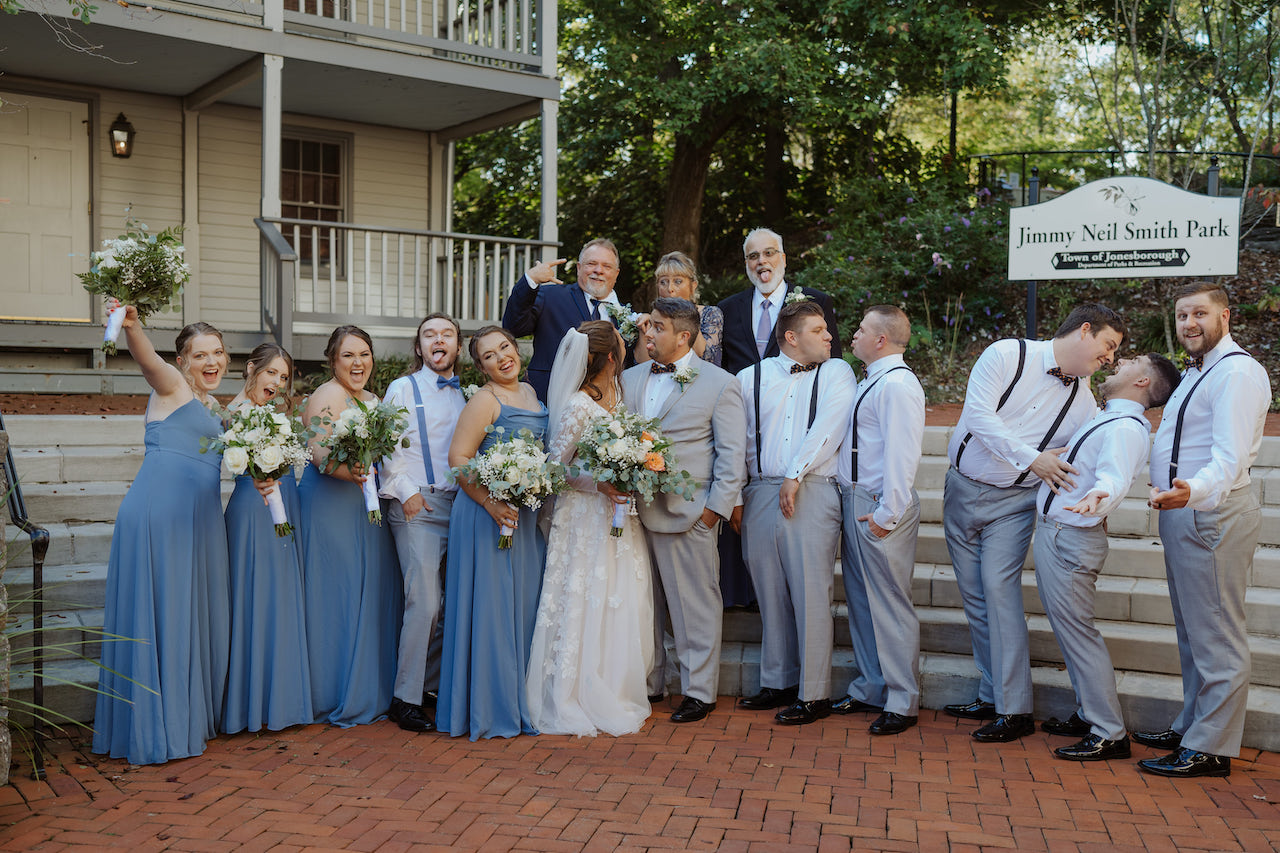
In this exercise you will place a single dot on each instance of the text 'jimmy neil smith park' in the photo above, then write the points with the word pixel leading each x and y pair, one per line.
pixel 1115 232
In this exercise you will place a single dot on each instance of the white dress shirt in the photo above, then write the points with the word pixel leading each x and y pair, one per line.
pixel 776 299
pixel 1222 429
pixel 1109 461
pixel 658 386
pixel 789 447
pixel 890 407
pixel 403 474
pixel 1004 443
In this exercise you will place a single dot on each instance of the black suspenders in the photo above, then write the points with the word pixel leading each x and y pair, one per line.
pixel 813 410
pixel 1071 457
pixel 1182 411
pixel 854 452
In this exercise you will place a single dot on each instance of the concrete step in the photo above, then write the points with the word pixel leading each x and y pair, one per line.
pixel 64 635
pixel 78 381
pixel 70 544
pixel 86 501
pixel 70 692
pixel 65 587
pixel 35 431
pixel 74 464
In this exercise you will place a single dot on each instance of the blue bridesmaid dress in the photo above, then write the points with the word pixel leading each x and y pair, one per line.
pixel 164 654
pixel 490 608
pixel 269 684
pixel 354 602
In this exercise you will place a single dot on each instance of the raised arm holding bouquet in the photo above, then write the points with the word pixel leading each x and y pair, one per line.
pixel 138 268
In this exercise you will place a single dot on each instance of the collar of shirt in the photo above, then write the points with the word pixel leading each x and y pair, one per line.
pixel 1049 361
pixel 612 298
pixel 784 363
pixel 775 299
pixel 885 364
pixel 1220 349
pixel 1124 407
pixel 427 378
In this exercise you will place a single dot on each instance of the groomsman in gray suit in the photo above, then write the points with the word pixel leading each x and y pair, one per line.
pixel 881 511
pixel 1108 452
pixel 1209 523
pixel 797 406
pixel 699 407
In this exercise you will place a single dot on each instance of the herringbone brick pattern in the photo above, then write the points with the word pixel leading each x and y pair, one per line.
pixel 735 782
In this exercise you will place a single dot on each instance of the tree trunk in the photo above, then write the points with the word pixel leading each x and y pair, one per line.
pixel 686 186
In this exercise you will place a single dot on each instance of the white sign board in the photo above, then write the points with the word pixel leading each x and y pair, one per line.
pixel 1125 228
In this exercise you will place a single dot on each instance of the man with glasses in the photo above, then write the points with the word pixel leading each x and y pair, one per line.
pixel 543 306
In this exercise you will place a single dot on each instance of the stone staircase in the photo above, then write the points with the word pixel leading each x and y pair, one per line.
pixel 76 469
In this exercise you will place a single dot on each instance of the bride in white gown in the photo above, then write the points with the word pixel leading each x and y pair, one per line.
pixel 593 642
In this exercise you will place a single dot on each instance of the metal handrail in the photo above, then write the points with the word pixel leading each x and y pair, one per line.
pixel 411 232
pixel 39 548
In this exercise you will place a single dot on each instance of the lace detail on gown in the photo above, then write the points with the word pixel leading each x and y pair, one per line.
pixel 593 642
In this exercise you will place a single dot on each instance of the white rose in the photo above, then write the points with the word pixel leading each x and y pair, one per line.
pixel 236 459
pixel 616 429
pixel 270 458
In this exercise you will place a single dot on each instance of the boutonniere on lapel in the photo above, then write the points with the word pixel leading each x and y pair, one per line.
pixel 625 319
pixel 685 375
pixel 796 295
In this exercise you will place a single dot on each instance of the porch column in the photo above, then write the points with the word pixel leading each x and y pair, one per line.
pixel 272 99
pixel 549 230
pixel 191 212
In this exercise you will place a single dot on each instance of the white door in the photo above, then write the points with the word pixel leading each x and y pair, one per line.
pixel 44 208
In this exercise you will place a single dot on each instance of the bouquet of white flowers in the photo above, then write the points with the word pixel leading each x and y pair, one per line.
pixel 625 319
pixel 266 444
pixel 140 269
pixel 362 435
pixel 633 455
pixel 516 470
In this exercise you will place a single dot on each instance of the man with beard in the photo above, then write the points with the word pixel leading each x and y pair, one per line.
pixel 541 305
pixel 750 320
pixel 1209 522
pixel 1071 546
pixel 1023 401
pixel 416 480
pixel 797 406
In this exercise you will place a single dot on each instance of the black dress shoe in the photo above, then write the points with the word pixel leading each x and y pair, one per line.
pixel 1073 726
pixel 1005 728
pixel 800 712
pixel 409 717
pixel 691 710
pixel 975 710
pixel 769 698
pixel 1185 763
pixel 849 705
pixel 655 698
pixel 429 699
pixel 1094 748
pixel 889 723
pixel 1167 739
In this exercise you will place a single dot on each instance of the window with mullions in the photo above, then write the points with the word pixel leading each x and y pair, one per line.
pixel 312 187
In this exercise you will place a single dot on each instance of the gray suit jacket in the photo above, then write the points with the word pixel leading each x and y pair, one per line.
pixel 707 425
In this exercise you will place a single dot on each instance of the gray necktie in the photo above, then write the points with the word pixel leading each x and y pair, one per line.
pixel 763 330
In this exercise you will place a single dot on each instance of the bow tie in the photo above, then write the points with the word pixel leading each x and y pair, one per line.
pixel 803 368
pixel 659 367
pixel 1056 373
pixel 451 382
pixel 1196 361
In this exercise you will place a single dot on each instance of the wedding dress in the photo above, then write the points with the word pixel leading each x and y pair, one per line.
pixel 593 641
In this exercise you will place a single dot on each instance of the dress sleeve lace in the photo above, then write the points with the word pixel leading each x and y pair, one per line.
pixel 564 437
pixel 712 327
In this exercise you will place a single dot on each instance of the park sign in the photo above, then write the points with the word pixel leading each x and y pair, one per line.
pixel 1125 227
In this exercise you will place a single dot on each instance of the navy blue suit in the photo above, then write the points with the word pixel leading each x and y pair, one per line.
pixel 740 336
pixel 546 312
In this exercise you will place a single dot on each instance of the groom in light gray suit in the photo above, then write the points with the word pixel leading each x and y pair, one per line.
pixel 700 409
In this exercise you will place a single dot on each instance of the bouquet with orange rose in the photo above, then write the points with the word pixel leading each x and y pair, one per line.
pixel 632 454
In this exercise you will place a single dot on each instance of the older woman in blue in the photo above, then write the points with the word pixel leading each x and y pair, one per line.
pixel 351 576
pixel 491 594
pixel 164 668
pixel 269 684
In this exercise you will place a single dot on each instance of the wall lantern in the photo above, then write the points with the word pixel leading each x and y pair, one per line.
pixel 121 137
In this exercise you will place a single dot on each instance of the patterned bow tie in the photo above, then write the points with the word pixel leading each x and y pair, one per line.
pixel 1196 361
pixel 451 382
pixel 1056 373
pixel 659 367
pixel 803 368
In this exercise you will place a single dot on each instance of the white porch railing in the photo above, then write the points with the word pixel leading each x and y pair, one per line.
pixel 346 273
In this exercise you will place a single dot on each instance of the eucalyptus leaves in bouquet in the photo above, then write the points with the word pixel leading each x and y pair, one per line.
pixel 516 470
pixel 138 268
pixel 266 444
pixel 362 435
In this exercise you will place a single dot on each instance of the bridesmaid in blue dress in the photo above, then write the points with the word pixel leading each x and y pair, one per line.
pixel 491 594
pixel 269 683
pixel 164 655
pixel 351 575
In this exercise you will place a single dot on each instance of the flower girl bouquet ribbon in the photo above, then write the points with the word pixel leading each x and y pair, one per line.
pixel 362 435
pixel 516 470
pixel 266 444
pixel 137 268
pixel 632 454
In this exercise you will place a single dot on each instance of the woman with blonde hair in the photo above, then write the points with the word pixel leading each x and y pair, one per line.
pixel 676 276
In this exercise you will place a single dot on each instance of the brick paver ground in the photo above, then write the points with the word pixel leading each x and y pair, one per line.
pixel 735 782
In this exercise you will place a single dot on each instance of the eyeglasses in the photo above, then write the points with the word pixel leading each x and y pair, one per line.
pixel 767 254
